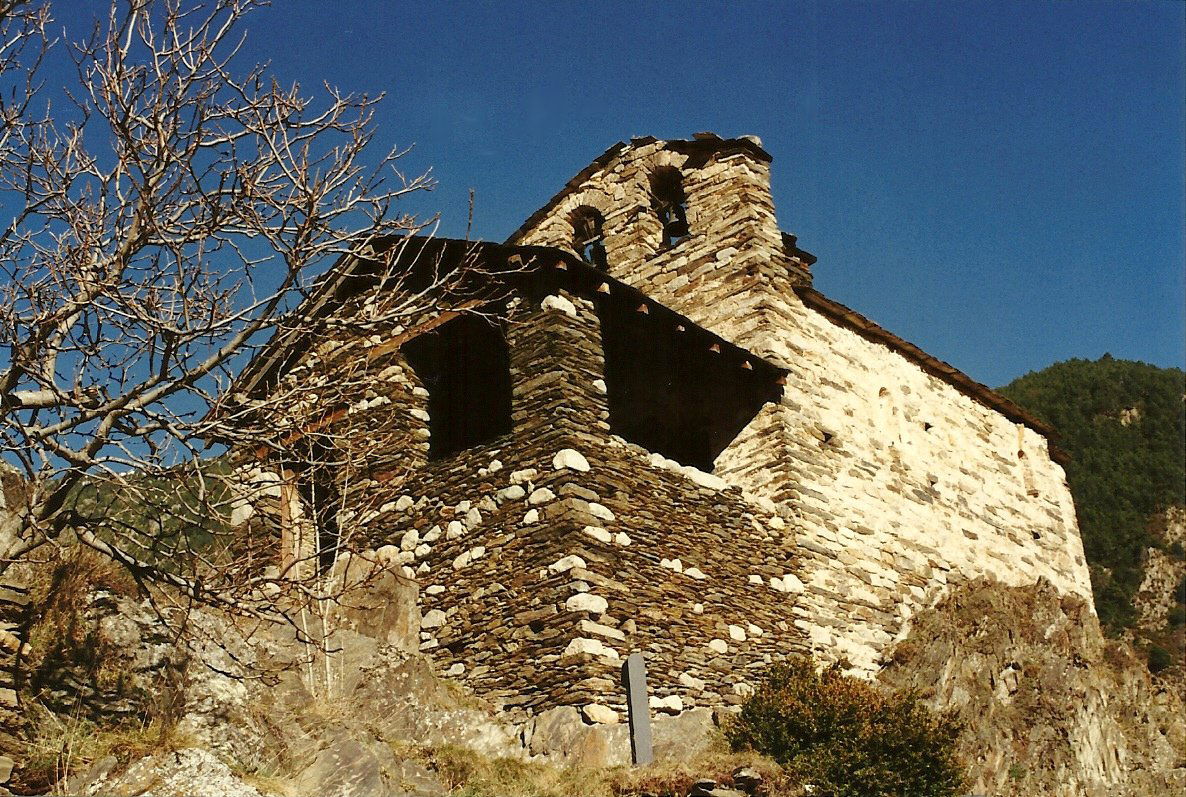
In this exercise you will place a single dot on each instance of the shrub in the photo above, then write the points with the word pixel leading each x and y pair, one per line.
pixel 847 736
pixel 60 635
pixel 1159 659
pixel 1177 616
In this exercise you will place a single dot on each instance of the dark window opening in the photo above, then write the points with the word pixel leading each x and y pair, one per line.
pixel 465 367
pixel 588 238
pixel 669 393
pixel 670 204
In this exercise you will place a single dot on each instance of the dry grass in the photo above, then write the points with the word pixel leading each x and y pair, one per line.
pixel 469 774
pixel 275 784
pixel 57 748
pixel 60 590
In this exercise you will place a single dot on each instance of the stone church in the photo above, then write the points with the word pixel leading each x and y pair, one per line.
pixel 638 427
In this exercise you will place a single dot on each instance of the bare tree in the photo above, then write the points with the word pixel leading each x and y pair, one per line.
pixel 162 217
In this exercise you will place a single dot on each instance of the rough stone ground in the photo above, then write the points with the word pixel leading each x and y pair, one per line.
pixel 254 716
pixel 169 775
pixel 1052 709
pixel 1051 706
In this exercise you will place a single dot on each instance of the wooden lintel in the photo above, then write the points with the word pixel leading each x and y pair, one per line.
pixel 388 346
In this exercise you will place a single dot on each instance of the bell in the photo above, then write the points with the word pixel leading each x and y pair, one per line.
pixel 597 255
pixel 676 228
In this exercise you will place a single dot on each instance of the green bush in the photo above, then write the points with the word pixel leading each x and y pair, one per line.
pixel 847 736
pixel 1177 616
pixel 1159 659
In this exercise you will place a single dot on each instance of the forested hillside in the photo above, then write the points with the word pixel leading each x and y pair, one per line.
pixel 1123 423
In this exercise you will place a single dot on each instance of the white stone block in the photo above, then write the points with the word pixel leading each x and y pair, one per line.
pixel 601 512
pixel 566 563
pixel 541 496
pixel 587 602
pixel 571 459
pixel 736 633
pixel 718 646
pixel 705 479
pixel 435 618
pixel 672 704
pixel 512 493
pixel 593 646
pixel 554 302
pixel 599 534
pixel 672 564
pixel 598 714
pixel 387 554
pixel 523 476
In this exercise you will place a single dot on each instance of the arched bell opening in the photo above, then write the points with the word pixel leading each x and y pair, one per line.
pixel 670 204
pixel 589 237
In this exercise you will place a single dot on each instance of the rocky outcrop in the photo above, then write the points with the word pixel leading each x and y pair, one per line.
pixel 254 705
pixel 1164 571
pixel 172 774
pixel 1051 707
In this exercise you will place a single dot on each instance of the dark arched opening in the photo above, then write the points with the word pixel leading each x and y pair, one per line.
pixel 588 236
pixel 670 204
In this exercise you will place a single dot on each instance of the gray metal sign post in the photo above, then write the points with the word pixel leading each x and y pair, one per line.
pixel 634 678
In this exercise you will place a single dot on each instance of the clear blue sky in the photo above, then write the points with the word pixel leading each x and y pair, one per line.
pixel 999 183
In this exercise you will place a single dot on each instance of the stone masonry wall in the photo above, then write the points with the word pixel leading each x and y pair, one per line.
pixel 549 554
pixel 898 483
pixel 545 558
